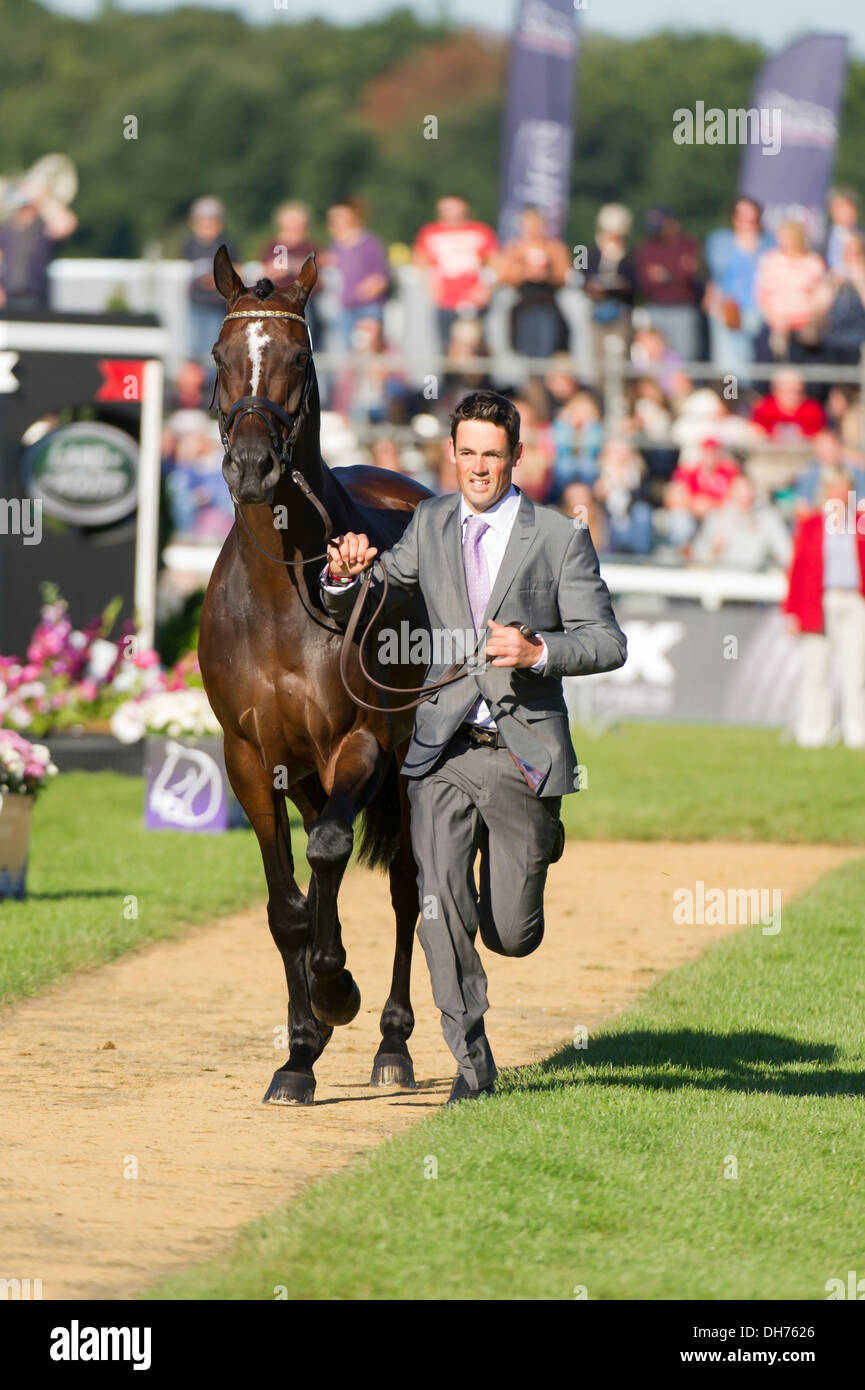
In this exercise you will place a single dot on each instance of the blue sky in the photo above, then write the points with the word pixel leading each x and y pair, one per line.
pixel 770 21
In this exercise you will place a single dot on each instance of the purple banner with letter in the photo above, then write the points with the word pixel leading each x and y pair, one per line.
pixel 538 126
pixel 805 84
pixel 187 786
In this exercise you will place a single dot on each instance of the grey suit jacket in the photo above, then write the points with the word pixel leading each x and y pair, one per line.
pixel 549 580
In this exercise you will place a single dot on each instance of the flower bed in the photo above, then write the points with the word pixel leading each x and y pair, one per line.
pixel 71 683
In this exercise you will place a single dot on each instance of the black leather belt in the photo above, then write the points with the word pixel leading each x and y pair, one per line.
pixel 482 738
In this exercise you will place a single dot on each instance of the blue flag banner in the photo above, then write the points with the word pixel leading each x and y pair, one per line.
pixel 802 86
pixel 538 127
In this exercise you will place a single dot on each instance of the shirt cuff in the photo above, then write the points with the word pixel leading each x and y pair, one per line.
pixel 335 588
pixel 542 659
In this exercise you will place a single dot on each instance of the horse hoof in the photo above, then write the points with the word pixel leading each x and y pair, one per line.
pixel 335 1001
pixel 393 1069
pixel 290 1088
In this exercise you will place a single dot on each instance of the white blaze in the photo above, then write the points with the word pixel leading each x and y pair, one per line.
pixel 256 342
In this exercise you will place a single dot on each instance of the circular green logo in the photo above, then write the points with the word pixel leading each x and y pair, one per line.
pixel 84 473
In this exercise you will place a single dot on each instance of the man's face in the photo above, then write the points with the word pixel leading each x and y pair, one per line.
pixel 843 212
pixel 292 227
pixel 207 228
pixel 451 210
pixel 789 391
pixel 746 218
pixel 340 221
pixel 483 461
pixel 827 448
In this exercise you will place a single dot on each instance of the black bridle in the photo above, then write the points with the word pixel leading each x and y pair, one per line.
pixel 271 415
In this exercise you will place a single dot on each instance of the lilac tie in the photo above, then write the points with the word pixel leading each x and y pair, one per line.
pixel 475 565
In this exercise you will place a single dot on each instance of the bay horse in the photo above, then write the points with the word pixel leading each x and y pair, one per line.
pixel 269 656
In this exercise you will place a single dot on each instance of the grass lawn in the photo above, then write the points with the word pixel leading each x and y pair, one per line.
pixel 698 782
pixel 605 1168
pixel 645 781
pixel 89 851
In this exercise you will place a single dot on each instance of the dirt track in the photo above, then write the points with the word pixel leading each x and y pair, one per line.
pixel 192 1026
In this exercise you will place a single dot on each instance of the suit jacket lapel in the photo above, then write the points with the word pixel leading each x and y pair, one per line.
pixel 523 535
pixel 452 542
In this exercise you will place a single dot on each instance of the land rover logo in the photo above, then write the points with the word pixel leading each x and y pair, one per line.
pixel 84 473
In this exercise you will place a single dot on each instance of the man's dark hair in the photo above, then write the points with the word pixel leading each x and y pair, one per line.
pixel 489 405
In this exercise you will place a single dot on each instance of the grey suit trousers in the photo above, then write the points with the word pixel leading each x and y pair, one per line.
pixel 476 800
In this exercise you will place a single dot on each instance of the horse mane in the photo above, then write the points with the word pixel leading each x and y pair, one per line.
pixel 263 288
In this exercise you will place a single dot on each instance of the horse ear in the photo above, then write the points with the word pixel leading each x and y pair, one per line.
pixel 307 278
pixel 225 277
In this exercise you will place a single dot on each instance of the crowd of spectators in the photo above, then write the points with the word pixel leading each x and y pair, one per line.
pixel 686 470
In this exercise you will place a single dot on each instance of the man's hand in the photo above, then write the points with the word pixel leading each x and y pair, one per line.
pixel 510 647
pixel 350 554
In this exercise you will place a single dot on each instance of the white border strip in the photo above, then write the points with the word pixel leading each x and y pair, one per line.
pixel 107 338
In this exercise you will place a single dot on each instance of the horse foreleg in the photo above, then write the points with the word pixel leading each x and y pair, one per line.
pixel 351 782
pixel 393 1065
pixel 288 918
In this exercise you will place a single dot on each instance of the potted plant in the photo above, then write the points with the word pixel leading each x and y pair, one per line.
pixel 24 769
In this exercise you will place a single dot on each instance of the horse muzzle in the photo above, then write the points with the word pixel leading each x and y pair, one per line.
pixel 251 472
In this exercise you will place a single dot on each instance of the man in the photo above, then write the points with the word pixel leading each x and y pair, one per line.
pixel 457 253
pixel 284 255
pixel 27 243
pixel 667 266
pixel 206 306
pixel 361 259
pixel 843 223
pixel 786 413
pixel 490 757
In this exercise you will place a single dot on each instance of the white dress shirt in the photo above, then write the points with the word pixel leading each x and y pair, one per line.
pixel 500 518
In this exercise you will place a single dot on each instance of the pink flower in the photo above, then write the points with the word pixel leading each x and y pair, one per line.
pixel 146 658
pixel 88 691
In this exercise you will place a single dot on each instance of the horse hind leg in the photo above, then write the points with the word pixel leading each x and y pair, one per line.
pixel 392 1065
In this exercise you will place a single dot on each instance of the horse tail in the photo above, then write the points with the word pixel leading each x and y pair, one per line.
pixel 382 822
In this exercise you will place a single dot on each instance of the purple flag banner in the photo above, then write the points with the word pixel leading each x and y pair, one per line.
pixel 538 126
pixel 805 84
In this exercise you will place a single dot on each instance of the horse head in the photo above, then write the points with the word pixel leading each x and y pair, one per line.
pixel 264 375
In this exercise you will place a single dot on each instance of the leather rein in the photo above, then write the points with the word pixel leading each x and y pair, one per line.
pixel 275 417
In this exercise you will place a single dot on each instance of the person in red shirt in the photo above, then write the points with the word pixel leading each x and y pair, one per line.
pixel 787 413
pixel 707 476
pixel 667 267
pixel 825 606
pixel 454 251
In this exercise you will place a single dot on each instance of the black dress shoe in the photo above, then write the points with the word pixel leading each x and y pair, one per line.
pixel 461 1090
pixel 559 846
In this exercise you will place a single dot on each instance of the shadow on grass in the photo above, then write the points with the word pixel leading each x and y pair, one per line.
pixel 687 1058
pixel 74 893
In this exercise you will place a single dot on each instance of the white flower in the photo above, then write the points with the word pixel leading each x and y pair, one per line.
pixel 175 713
pixel 103 655
pixel 126 723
